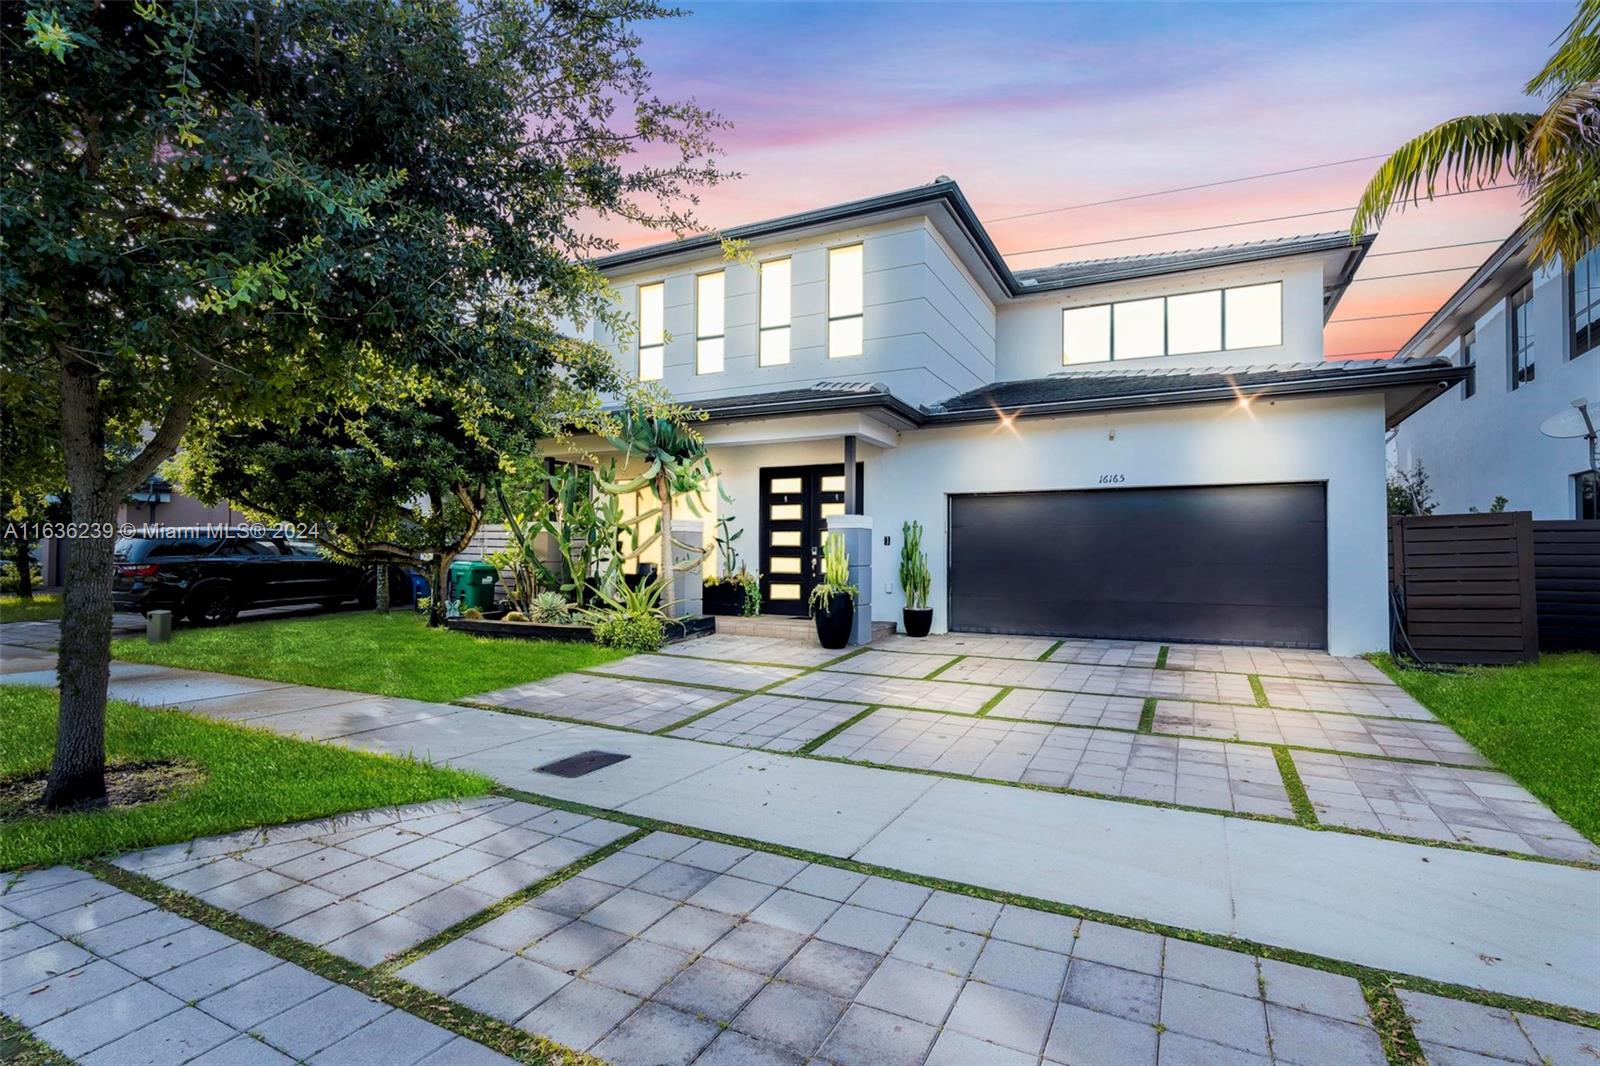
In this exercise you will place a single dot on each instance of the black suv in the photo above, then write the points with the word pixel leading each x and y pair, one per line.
pixel 209 579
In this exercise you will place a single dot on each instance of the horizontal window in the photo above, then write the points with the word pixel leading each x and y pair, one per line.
pixel 1249 316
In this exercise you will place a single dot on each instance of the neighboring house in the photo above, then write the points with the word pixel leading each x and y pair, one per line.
pixel 1528 341
pixel 1146 447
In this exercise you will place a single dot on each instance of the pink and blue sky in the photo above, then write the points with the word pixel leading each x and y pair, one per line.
pixel 1035 106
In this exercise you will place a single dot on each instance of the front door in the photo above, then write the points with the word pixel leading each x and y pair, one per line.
pixel 795 500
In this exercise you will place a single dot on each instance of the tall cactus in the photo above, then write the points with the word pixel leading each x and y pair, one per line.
pixel 914 576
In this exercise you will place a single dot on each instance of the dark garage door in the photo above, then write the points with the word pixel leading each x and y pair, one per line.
pixel 1232 563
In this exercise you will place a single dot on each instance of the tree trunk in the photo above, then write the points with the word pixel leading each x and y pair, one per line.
pixel 441 567
pixel 382 595
pixel 77 773
pixel 24 570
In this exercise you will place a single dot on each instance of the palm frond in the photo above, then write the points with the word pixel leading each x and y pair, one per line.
pixel 1570 124
pixel 1467 152
pixel 1564 209
pixel 1577 57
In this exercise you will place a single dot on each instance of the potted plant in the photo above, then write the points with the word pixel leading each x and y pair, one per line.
pixel 917 617
pixel 833 600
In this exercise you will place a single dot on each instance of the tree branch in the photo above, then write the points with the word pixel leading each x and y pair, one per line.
pixel 164 444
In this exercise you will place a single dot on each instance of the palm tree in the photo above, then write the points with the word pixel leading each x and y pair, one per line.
pixel 1553 156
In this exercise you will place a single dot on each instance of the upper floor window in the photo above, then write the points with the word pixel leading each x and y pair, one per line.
pixel 845 301
pixel 774 312
pixel 652 331
pixel 1469 360
pixel 708 308
pixel 1585 294
pixel 1248 316
pixel 1521 325
pixel 1586 496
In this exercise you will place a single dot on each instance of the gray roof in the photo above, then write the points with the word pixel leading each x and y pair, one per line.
pixel 1096 271
pixel 1466 303
pixel 1019 283
pixel 1408 384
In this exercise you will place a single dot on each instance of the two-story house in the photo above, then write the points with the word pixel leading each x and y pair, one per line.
pixel 1142 447
pixel 1529 341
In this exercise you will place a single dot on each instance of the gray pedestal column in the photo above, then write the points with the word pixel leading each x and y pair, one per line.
pixel 857 530
pixel 685 588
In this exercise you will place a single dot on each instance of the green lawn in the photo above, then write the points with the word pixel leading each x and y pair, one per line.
pixel 40 608
pixel 1539 723
pixel 392 655
pixel 247 778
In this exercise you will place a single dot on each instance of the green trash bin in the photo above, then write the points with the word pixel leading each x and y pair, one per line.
pixel 472 583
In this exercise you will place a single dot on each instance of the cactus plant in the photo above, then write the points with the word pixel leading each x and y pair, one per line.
pixel 914 576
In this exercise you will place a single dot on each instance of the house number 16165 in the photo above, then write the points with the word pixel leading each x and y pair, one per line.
pixel 1112 479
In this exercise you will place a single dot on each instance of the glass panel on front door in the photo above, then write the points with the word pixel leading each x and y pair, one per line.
pixel 795 501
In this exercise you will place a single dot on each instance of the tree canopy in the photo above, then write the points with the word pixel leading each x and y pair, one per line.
pixel 224 216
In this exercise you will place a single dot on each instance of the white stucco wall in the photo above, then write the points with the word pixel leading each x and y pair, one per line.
pixel 1336 440
pixel 1489 445
pixel 1028 342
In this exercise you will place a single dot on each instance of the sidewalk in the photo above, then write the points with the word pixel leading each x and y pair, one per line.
pixel 1514 926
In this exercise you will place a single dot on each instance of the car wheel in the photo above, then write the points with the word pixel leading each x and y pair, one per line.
pixel 213 607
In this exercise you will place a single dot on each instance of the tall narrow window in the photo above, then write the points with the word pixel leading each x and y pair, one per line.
pixel 708 312
pixel 1521 319
pixel 652 331
pixel 774 312
pixel 1585 294
pixel 845 301
pixel 1586 495
pixel 1469 360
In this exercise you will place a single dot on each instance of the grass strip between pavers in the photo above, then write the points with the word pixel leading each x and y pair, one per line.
pixel 1305 813
pixel 1147 716
pixel 816 742
pixel 18 1047
pixel 1389 1018
pixel 989 705
pixel 808 751
pixel 1362 973
pixel 1161 657
pixel 1051 650
pixel 1256 687
pixel 941 669
pixel 506 905
pixel 507 1039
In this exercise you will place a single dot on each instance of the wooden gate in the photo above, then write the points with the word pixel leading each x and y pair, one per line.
pixel 1466 586
pixel 1566 564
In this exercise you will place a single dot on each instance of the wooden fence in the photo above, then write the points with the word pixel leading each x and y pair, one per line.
pixel 1466 586
pixel 1566 565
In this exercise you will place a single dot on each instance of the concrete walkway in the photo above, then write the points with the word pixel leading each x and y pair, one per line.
pixel 1506 925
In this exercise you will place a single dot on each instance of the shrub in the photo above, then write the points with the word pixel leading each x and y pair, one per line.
pixel 472 612
pixel 630 632
pixel 514 616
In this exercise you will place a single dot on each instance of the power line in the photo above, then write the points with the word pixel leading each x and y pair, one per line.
pixel 1232 225
pixel 1374 318
pixel 1435 248
pixel 1184 188
pixel 1416 273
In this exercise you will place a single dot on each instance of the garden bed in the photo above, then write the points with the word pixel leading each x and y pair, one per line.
pixel 696 625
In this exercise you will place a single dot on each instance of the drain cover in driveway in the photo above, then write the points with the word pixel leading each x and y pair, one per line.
pixel 585 762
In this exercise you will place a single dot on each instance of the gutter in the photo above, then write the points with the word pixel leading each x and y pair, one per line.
pixel 1443 376
pixel 819 405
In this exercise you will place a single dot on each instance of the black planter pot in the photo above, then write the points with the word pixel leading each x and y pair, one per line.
pixel 835 620
pixel 916 621
pixel 725 598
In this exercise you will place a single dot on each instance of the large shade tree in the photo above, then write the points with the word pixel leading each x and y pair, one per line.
pixel 218 215
pixel 1554 155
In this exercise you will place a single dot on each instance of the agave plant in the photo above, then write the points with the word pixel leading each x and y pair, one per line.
pixel 676 464
pixel 1553 155
pixel 551 608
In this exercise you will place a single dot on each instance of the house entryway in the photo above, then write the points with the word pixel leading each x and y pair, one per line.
pixel 795 502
